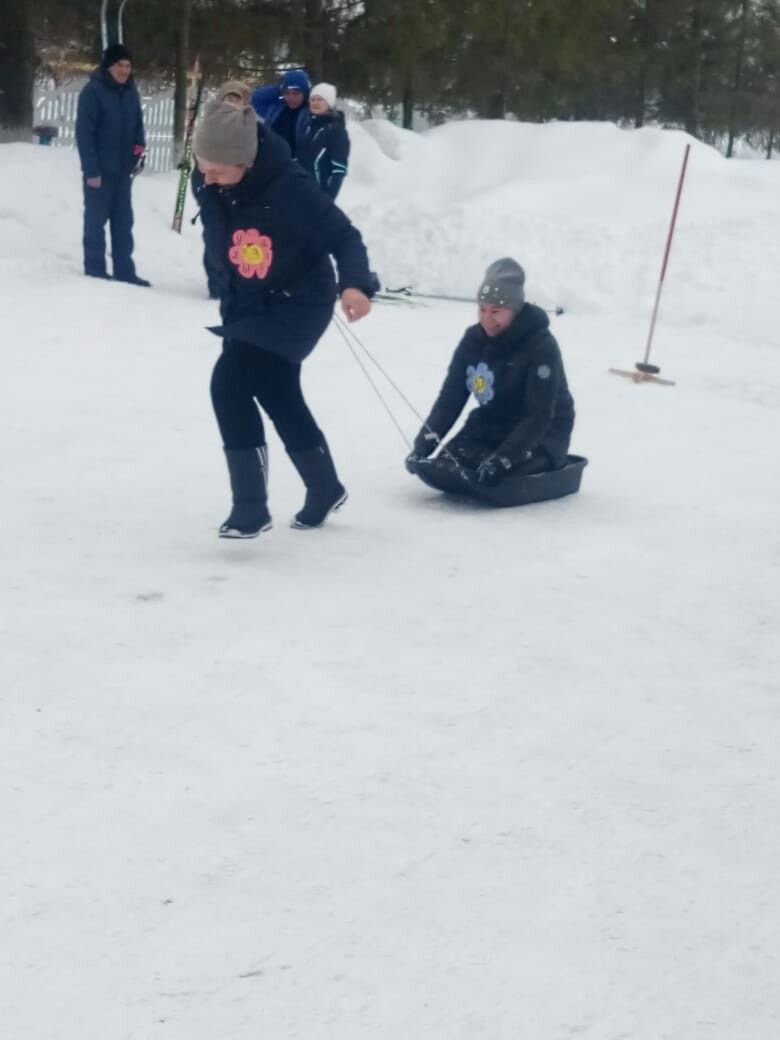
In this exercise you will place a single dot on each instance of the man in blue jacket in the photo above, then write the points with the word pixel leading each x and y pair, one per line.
pixel 110 140
pixel 285 108
pixel 511 364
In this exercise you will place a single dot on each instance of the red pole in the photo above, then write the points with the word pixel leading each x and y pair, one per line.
pixel 667 251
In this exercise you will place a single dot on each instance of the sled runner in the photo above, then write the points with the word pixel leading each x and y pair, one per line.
pixel 520 490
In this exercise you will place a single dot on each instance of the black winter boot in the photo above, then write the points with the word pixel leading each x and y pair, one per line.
pixel 248 468
pixel 324 491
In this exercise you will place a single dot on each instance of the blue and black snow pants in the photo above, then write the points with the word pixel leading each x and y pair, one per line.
pixel 109 203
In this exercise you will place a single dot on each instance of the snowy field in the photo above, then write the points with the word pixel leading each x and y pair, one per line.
pixel 432 772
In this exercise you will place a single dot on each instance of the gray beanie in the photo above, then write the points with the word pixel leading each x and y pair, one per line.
pixel 503 284
pixel 227 134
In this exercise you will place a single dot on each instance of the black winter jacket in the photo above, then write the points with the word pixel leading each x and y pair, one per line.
pixel 109 124
pixel 520 385
pixel 268 242
pixel 323 150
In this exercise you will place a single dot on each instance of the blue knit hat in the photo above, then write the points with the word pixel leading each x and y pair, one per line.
pixel 297 79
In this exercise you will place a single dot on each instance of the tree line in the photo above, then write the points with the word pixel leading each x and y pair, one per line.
pixel 711 67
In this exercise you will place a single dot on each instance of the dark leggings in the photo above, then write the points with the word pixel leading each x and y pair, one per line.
pixel 245 376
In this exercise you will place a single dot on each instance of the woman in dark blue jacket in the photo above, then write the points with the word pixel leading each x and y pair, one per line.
pixel 270 233
pixel 323 148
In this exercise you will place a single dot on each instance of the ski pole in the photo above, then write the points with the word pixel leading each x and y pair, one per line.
pixel 409 293
pixel 104 23
pixel 119 28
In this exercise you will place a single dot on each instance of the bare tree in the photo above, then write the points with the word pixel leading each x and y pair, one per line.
pixel 17 71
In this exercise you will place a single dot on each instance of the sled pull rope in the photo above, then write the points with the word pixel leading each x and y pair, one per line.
pixel 339 323
pixel 346 333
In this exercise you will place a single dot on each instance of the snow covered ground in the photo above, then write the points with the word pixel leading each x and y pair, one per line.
pixel 432 772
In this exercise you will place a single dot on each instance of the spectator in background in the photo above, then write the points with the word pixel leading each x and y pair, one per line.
pixel 285 108
pixel 323 149
pixel 111 144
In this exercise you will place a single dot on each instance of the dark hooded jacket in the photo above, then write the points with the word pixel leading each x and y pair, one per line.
pixel 109 125
pixel 268 242
pixel 323 150
pixel 520 386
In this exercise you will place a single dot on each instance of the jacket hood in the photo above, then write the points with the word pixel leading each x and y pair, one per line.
pixel 273 157
pixel 529 320
pixel 333 116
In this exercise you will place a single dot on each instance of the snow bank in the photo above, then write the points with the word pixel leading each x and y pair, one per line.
pixel 584 206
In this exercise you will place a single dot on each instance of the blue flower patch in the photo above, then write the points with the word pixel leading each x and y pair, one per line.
pixel 479 380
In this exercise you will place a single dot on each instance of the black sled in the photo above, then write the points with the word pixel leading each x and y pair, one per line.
pixel 519 490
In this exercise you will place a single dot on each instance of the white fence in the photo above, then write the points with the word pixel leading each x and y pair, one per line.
pixel 58 108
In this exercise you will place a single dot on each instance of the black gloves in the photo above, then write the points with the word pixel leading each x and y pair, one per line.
pixel 425 443
pixel 493 469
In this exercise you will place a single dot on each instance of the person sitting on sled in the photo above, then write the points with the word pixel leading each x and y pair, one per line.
pixel 512 365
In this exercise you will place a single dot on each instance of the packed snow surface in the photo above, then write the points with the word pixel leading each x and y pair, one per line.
pixel 433 772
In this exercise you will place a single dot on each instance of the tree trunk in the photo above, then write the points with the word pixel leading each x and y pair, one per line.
pixel 17 71
pixel 646 42
pixel 496 105
pixel 314 39
pixel 407 102
pixel 692 118
pixel 182 33
pixel 737 85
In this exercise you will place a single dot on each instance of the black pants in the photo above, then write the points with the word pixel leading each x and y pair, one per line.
pixel 245 376
pixel 109 203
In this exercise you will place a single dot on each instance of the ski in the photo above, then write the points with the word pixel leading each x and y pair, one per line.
pixel 406 294
pixel 391 296
pixel 185 165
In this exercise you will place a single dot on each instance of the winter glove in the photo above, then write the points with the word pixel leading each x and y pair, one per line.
pixel 493 469
pixel 140 160
pixel 425 443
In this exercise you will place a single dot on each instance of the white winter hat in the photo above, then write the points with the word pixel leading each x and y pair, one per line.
pixel 327 92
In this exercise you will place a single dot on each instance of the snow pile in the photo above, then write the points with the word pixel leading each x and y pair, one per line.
pixel 586 208
pixel 433 771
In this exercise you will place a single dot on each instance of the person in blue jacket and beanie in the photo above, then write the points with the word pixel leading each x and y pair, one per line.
pixel 270 233
pixel 111 145
pixel 511 364
pixel 285 108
